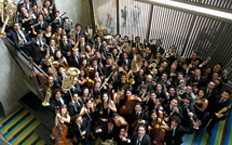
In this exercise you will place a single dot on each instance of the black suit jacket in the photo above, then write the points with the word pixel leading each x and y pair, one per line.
pixel 216 106
pixel 36 53
pixel 75 130
pixel 168 111
pixel 23 4
pixel 65 48
pixel 72 61
pixel 154 50
pixel 43 26
pixel 177 138
pixel 146 140
pixel 105 134
pixel 54 103
pixel 13 36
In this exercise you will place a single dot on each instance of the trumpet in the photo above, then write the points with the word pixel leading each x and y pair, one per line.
pixel 152 66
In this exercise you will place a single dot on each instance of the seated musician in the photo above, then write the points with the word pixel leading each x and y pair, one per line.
pixel 140 137
pixel 155 123
pixel 138 116
pixel 214 112
pixel 80 129
pixel 59 58
pixel 172 109
pixel 177 131
pixel 63 115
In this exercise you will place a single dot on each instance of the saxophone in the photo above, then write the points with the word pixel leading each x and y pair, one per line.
pixel 47 97
pixel 223 110
pixel 57 42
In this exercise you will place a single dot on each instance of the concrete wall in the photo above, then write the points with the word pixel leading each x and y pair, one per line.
pixel 77 10
pixel 12 86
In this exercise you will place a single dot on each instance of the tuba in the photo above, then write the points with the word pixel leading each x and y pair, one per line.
pixel 69 77
pixel 8 9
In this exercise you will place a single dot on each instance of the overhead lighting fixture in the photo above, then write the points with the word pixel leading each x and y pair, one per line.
pixel 191 8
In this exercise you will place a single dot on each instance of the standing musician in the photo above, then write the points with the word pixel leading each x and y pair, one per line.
pixel 215 110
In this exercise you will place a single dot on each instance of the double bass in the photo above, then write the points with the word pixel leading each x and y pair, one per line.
pixel 60 132
pixel 127 109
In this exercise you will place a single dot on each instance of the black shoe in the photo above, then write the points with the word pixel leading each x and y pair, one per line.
pixel 209 132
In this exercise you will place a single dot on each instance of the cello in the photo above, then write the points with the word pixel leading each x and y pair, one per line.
pixel 127 109
pixel 59 132
pixel 158 134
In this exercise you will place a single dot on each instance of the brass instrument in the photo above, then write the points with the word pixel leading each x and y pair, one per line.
pixel 82 47
pixel 32 16
pixel 47 97
pixel 223 110
pixel 8 9
pixel 114 63
pixel 110 40
pixel 2 33
pixel 57 41
pixel 136 63
pixel 152 66
pixel 109 142
pixel 48 60
pixel 69 77
pixel 40 6
pixel 72 31
pixel 128 82
pixel 126 48
pixel 99 30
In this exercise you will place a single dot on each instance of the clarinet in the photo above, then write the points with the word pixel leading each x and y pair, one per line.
pixel 188 111
pixel 86 110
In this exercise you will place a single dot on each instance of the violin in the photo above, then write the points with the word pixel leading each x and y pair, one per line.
pixel 127 109
pixel 39 79
pixel 58 64
pixel 59 132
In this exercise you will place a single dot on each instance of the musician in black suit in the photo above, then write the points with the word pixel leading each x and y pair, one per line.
pixel 75 59
pixel 140 137
pixel 218 103
pixel 210 93
pixel 133 53
pixel 65 46
pixel 163 68
pixel 67 26
pixel 125 60
pixel 24 19
pixel 121 139
pixel 80 129
pixel 189 114
pixel 98 43
pixel 38 47
pixel 157 48
pixel 42 24
pixel 75 105
pixel 79 33
pixel 107 131
pixel 25 4
pixel 137 43
pixel 58 21
pixel 52 47
pixel 172 109
pixel 147 55
pixel 58 99
pixel 174 136
pixel 139 115
pixel 218 81
pixel 16 36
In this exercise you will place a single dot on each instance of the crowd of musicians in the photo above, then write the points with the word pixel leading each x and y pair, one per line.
pixel 125 91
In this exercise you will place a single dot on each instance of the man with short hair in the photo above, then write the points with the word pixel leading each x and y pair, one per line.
pixel 217 104
pixel 140 137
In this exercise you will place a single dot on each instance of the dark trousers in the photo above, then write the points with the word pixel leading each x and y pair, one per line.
pixel 213 121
